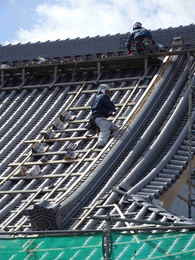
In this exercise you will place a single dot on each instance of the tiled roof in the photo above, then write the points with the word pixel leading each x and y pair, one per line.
pixel 141 162
pixel 25 112
pixel 151 166
pixel 85 46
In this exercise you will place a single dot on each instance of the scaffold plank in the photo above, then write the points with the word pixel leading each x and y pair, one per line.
pixel 51 162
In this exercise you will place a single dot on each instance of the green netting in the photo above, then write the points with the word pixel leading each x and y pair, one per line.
pixel 155 246
pixel 124 246
pixel 50 248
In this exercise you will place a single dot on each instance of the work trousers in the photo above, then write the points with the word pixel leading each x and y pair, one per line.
pixel 106 127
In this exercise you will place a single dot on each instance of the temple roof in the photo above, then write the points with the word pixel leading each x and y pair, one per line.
pixel 88 45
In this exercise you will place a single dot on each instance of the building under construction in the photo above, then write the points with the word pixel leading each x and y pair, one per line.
pixel 63 198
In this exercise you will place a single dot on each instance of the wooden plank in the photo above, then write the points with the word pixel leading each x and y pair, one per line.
pixel 49 176
pixel 80 121
pixel 63 152
pixel 75 129
pixel 106 60
pixel 101 206
pixel 88 107
pixel 144 98
pixel 65 130
pixel 111 89
pixel 71 101
pixel 30 191
pixel 15 171
pixel 50 162
pixel 128 100
pixel 61 139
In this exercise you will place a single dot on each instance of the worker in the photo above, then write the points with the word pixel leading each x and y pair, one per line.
pixel 102 108
pixel 135 39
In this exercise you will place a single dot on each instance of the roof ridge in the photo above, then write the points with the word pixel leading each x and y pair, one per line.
pixel 93 37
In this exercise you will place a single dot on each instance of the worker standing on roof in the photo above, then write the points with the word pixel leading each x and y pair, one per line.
pixel 136 38
pixel 102 108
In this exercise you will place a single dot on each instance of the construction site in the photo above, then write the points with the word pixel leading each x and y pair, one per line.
pixel 61 197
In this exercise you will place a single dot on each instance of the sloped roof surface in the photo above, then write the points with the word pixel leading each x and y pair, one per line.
pixel 25 112
pixel 85 46
pixel 150 167
pixel 148 162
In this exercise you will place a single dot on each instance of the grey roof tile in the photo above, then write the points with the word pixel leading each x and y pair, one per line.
pixel 26 112
pixel 84 46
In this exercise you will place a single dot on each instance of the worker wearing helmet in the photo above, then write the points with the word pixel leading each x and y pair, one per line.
pixel 102 108
pixel 138 35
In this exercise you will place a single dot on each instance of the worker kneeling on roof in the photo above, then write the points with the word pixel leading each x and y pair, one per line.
pixel 102 108
pixel 140 39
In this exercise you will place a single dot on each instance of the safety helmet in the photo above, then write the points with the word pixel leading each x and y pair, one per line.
pixel 103 89
pixel 137 25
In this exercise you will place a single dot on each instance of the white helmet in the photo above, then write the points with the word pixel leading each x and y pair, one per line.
pixel 103 89
pixel 137 25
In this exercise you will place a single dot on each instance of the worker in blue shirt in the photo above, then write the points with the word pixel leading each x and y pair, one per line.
pixel 137 36
pixel 102 108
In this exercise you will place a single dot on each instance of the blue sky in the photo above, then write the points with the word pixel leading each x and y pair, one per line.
pixel 15 15
pixel 42 20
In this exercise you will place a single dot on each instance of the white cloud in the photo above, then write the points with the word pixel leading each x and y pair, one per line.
pixel 80 18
